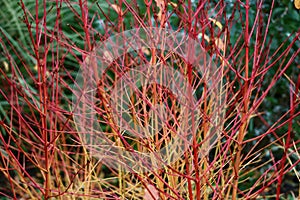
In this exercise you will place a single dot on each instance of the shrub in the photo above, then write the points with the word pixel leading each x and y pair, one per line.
pixel 250 100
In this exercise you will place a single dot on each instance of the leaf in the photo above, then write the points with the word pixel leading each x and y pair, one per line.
pixel 173 4
pixel 161 5
pixel 145 50
pixel 35 67
pixel 218 42
pixel 205 37
pixel 297 4
pixel 6 68
pixel 217 22
pixel 117 9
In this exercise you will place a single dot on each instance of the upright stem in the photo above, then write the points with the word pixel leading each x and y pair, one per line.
pixel 244 117
pixel 43 90
pixel 286 145
pixel 84 17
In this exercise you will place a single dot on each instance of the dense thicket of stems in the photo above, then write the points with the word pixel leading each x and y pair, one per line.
pixel 42 153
